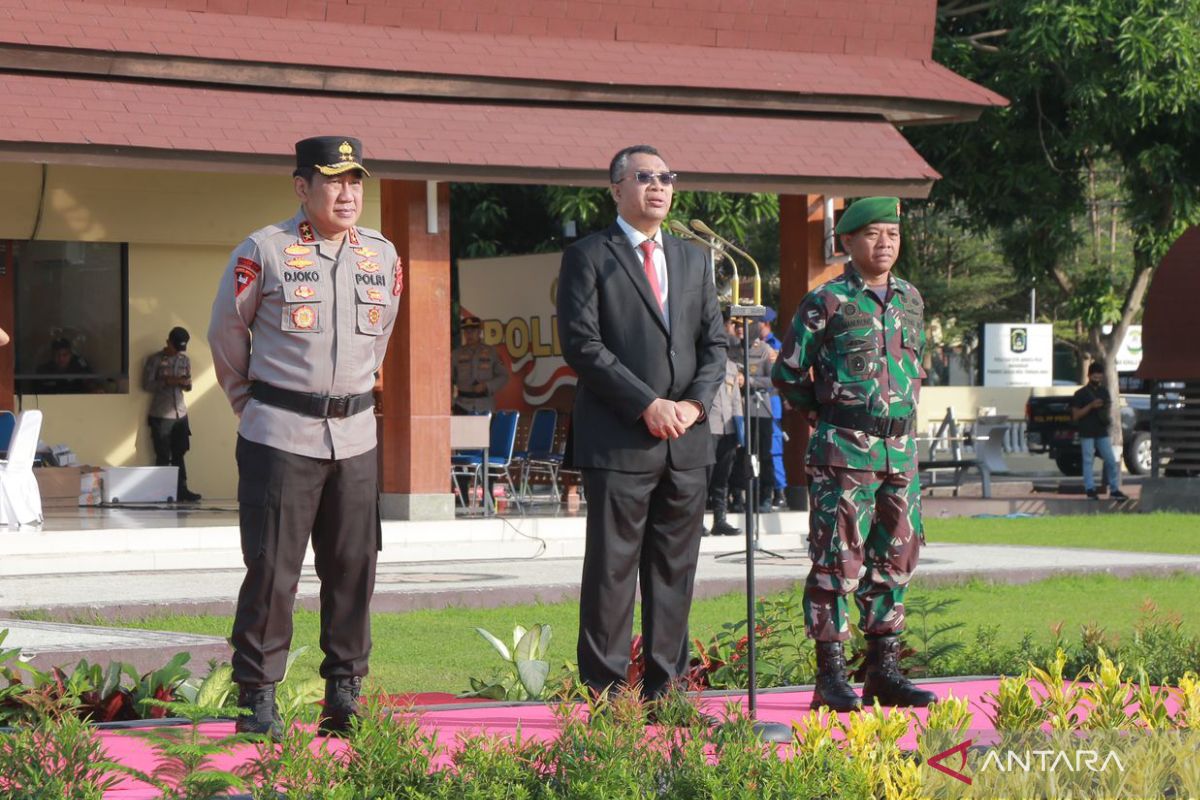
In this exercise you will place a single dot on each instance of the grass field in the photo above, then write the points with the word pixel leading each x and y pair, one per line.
pixel 437 650
pixel 1144 533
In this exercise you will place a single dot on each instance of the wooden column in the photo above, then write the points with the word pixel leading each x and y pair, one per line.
pixel 8 321
pixel 802 267
pixel 415 421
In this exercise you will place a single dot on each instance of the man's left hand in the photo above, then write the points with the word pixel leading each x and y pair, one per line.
pixel 687 413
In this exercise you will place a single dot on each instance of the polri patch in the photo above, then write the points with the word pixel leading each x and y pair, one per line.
pixel 244 274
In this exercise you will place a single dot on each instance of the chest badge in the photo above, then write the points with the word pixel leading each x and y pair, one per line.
pixel 365 252
pixel 374 315
pixel 299 263
pixel 297 250
pixel 354 236
pixel 304 317
pixel 375 294
pixel 304 292
pixel 368 266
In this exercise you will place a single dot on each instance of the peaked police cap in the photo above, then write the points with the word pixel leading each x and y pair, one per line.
pixel 330 155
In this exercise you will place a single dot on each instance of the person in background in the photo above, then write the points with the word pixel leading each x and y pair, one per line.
pixel 726 408
pixel 167 375
pixel 63 361
pixel 760 424
pixel 476 370
pixel 1091 411
pixel 777 436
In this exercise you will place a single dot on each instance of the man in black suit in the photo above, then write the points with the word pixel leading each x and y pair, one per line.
pixel 639 322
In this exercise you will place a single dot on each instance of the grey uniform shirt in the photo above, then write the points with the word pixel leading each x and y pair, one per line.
pixel 478 363
pixel 166 402
pixel 301 313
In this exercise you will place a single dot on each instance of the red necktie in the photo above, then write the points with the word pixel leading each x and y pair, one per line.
pixel 651 273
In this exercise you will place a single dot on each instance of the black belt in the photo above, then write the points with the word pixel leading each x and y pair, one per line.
pixel 472 395
pixel 324 406
pixel 859 420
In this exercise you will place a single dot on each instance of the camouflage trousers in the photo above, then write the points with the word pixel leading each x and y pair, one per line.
pixel 860 518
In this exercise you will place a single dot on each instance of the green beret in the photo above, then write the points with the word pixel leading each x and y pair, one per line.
pixel 867 210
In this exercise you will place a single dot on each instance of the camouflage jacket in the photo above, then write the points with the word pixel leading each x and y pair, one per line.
pixel 846 349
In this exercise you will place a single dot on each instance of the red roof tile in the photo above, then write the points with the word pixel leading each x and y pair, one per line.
pixel 448 140
pixel 833 72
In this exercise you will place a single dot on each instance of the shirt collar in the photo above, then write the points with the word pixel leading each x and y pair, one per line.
pixel 855 279
pixel 635 236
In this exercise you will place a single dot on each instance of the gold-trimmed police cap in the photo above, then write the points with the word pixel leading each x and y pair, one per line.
pixel 470 322
pixel 330 155
pixel 867 210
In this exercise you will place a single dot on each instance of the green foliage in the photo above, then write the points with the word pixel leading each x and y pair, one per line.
pixel 58 758
pixel 184 756
pixel 526 667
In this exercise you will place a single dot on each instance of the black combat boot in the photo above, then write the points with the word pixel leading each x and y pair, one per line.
pixel 341 705
pixel 833 690
pixel 884 681
pixel 263 718
pixel 721 525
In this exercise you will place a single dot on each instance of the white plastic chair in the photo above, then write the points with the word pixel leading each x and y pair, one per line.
pixel 20 499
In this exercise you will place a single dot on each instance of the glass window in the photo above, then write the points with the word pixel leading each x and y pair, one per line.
pixel 72 326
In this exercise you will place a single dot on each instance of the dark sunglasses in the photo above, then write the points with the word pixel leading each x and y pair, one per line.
pixel 645 176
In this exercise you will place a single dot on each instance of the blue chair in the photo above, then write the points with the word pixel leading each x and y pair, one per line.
pixel 8 422
pixel 539 456
pixel 501 444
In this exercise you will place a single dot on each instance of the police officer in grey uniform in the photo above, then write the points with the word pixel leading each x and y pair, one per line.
pixel 167 375
pixel 477 371
pixel 299 328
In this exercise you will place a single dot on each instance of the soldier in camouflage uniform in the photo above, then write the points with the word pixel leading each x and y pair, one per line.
pixel 852 361
pixel 476 370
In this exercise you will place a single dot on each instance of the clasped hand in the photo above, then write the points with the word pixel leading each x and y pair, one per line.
pixel 668 419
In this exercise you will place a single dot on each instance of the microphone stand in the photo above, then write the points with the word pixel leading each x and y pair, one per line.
pixel 767 731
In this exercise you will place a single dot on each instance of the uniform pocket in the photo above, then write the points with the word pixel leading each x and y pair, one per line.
pixel 856 356
pixel 302 318
pixel 370 304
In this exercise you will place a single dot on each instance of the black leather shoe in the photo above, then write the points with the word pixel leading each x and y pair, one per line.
pixel 341 705
pixel 1118 495
pixel 832 690
pixel 186 496
pixel 885 682
pixel 263 719
pixel 722 527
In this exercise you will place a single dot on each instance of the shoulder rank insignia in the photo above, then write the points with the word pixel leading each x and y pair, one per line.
pixel 297 250
pixel 244 274
pixel 368 266
pixel 306 232
pixel 304 292
pixel 304 317
pixel 298 263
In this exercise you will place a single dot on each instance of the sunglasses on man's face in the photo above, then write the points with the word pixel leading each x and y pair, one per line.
pixel 645 176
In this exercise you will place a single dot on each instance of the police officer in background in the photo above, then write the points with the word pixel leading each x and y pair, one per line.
pixel 852 361
pixel 317 295
pixel 167 375
pixel 477 371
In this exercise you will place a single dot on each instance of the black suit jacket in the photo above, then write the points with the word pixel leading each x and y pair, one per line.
pixel 614 337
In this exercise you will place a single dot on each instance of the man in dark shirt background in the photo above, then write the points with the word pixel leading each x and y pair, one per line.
pixel 1091 411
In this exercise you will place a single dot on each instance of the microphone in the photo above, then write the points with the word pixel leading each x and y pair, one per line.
pixel 682 231
pixel 738 309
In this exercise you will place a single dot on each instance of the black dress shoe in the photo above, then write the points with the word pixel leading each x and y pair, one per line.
pixel 1118 495
pixel 186 496
pixel 341 705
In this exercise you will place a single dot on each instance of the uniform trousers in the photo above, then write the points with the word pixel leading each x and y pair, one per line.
pixel 725 445
pixel 282 498
pixel 642 528
pixel 172 439
pixel 860 518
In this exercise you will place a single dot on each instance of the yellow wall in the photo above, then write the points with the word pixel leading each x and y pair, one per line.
pixel 180 228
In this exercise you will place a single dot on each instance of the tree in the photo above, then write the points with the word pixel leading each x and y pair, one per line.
pixel 1090 82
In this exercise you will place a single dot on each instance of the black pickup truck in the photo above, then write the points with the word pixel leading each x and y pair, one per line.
pixel 1049 429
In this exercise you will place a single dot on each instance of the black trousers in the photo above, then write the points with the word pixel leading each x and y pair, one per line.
pixel 171 438
pixel 762 431
pixel 642 528
pixel 726 445
pixel 282 498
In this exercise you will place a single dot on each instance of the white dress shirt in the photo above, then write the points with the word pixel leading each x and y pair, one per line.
pixel 636 238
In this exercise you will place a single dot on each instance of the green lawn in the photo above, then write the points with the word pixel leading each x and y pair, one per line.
pixel 1144 533
pixel 438 650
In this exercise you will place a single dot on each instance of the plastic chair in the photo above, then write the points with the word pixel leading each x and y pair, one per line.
pixel 8 421
pixel 20 498
pixel 502 443
pixel 539 457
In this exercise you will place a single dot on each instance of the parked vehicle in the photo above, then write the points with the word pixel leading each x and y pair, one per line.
pixel 1049 429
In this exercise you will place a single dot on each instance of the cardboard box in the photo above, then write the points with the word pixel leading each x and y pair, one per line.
pixel 91 482
pixel 59 486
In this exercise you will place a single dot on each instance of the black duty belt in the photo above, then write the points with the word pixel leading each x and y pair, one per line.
pixel 859 420
pixel 472 395
pixel 324 406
